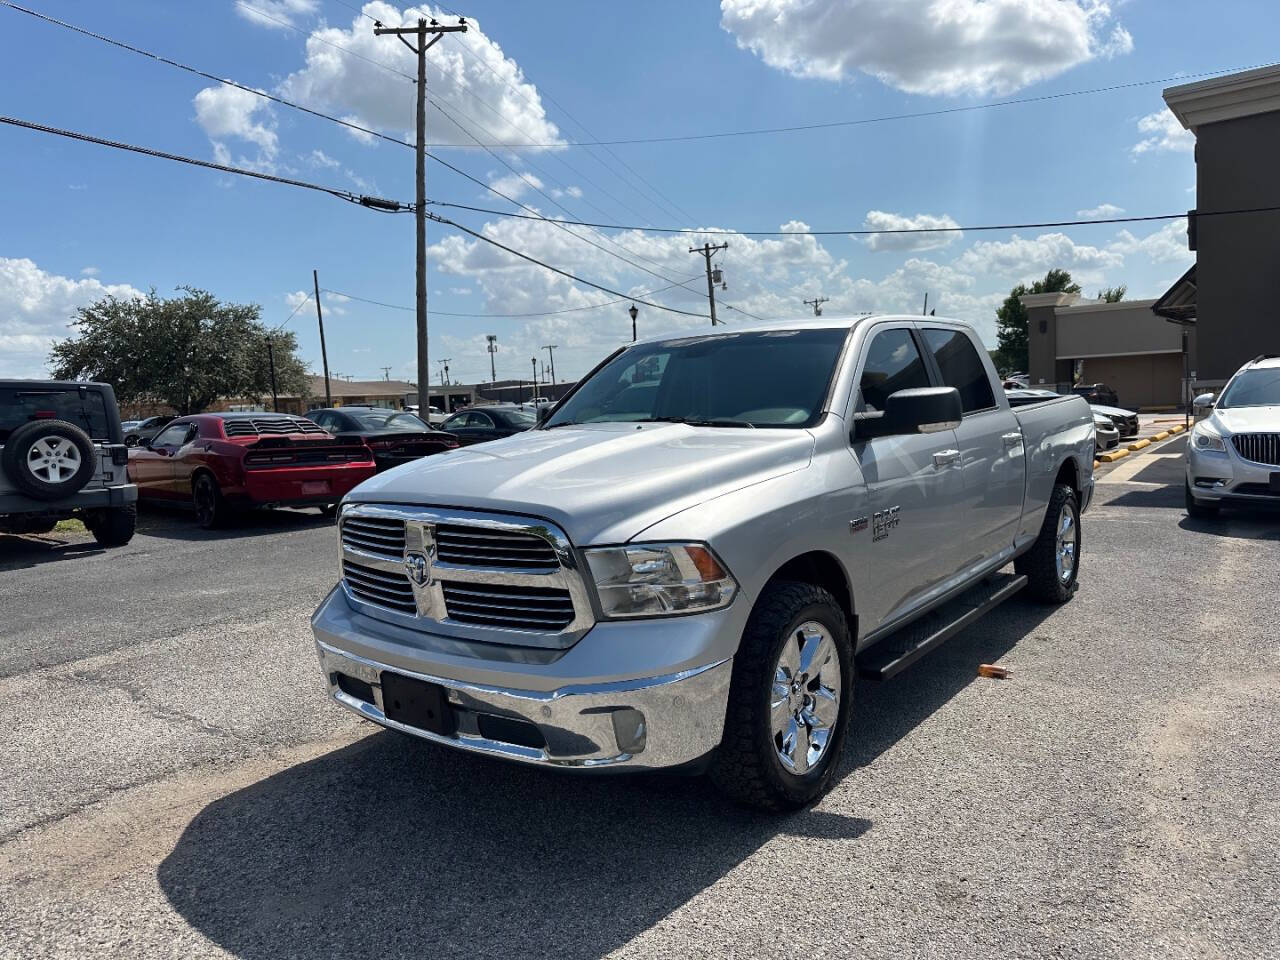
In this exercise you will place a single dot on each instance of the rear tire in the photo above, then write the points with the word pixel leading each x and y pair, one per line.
pixel 329 510
pixel 753 764
pixel 1052 565
pixel 49 459
pixel 113 526
pixel 1198 509
pixel 206 498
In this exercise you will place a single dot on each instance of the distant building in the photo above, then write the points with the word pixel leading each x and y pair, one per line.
pixel 1230 297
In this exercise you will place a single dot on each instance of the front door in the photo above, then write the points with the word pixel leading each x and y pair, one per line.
pixel 905 536
pixel 164 448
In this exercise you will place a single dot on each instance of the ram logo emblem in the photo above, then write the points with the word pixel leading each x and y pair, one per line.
pixel 418 569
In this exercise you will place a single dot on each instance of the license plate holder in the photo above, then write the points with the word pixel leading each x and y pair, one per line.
pixel 312 487
pixel 1275 483
pixel 416 703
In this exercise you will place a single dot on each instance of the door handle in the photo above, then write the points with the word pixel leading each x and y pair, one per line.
pixel 1012 439
pixel 946 457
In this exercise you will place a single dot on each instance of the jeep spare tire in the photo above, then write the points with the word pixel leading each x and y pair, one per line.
pixel 49 459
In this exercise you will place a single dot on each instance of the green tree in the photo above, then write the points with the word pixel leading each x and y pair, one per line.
pixel 184 352
pixel 1011 319
pixel 1112 294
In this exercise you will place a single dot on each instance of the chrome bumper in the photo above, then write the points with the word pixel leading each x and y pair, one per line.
pixel 1224 477
pixel 649 723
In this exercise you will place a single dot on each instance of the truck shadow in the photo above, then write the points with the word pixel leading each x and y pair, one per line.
pixel 168 522
pixel 396 847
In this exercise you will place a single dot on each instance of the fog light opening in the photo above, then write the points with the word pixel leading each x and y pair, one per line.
pixel 630 730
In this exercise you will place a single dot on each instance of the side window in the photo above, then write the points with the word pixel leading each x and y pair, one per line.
pixel 481 420
pixel 961 368
pixel 174 436
pixel 893 363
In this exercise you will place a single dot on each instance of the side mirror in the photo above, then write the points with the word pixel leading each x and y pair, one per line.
pixel 918 410
pixel 131 441
pixel 1204 400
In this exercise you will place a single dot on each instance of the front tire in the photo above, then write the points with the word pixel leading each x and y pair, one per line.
pixel 206 498
pixel 789 700
pixel 1052 565
pixel 1198 509
pixel 113 526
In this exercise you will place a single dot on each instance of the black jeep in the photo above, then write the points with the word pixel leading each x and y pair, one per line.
pixel 62 455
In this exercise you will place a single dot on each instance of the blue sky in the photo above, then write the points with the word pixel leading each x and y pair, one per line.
pixel 80 220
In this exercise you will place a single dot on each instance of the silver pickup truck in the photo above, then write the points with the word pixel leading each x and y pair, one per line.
pixel 691 559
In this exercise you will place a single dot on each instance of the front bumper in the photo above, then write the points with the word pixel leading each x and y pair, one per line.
pixel 665 707
pixel 1216 477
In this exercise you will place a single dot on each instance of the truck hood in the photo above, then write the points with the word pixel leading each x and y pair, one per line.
pixel 601 483
pixel 1249 419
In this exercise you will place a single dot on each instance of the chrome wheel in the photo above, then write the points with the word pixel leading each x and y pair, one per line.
pixel 1068 541
pixel 804 701
pixel 53 459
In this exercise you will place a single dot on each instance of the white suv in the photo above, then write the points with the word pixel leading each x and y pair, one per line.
pixel 1233 455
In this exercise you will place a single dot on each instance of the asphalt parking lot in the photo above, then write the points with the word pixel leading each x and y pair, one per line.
pixel 174 784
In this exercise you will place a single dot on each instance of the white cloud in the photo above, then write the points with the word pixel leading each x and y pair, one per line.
pixel 1103 211
pixel 489 87
pixel 569 191
pixel 1024 258
pixel 227 113
pixel 880 220
pixel 274 14
pixel 515 185
pixel 1166 245
pixel 1164 133
pixel 318 158
pixel 35 309
pixel 950 47
pixel 89 272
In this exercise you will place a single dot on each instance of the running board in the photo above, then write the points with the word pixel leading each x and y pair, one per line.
pixel 899 650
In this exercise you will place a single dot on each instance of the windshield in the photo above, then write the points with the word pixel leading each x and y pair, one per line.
pixel 768 379
pixel 1259 387
pixel 384 420
pixel 520 418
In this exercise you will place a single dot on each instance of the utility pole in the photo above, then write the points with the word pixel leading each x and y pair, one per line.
pixel 386 373
pixel 444 371
pixel 925 311
pixel 713 276
pixel 817 303
pixel 271 359
pixel 551 352
pixel 420 196
pixel 324 354
pixel 493 348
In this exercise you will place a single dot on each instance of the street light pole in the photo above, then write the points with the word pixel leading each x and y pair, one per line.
pixel 271 359
pixel 534 361
pixel 493 348
pixel 422 29
pixel 633 311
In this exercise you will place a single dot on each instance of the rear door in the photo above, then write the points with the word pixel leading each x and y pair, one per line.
pixel 908 514
pixel 990 442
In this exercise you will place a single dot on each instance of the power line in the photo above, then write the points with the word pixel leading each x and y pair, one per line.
pixel 886 118
pixel 375 203
pixel 302 303
pixel 861 232
pixel 507 316
pixel 328 43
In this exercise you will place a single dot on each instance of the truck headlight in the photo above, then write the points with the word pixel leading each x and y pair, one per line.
pixel 1206 439
pixel 659 579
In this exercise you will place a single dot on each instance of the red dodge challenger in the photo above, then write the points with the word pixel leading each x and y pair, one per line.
pixel 220 462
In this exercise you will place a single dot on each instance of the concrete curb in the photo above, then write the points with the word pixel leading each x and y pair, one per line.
pixel 1178 429
pixel 1162 435
pixel 1111 456
pixel 1139 445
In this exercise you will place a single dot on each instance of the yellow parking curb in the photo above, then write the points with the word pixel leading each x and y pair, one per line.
pixel 1112 456
pixel 1140 445
pixel 1162 435
pixel 1178 429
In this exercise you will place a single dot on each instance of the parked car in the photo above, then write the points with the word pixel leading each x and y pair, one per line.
pixel 394 436
pixel 144 430
pixel 701 581
pixel 479 424
pixel 1096 393
pixel 127 425
pixel 1233 456
pixel 218 463
pixel 62 455
pixel 1105 431
pixel 435 416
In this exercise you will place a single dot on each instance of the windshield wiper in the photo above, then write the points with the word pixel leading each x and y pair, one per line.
pixel 694 422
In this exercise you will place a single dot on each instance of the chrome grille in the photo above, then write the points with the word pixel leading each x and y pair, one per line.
pixel 1258 447
pixel 483 547
pixel 381 535
pixel 465 574
pixel 382 587
pixel 521 608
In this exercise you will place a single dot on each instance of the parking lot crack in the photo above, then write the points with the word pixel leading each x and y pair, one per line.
pixel 138 694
